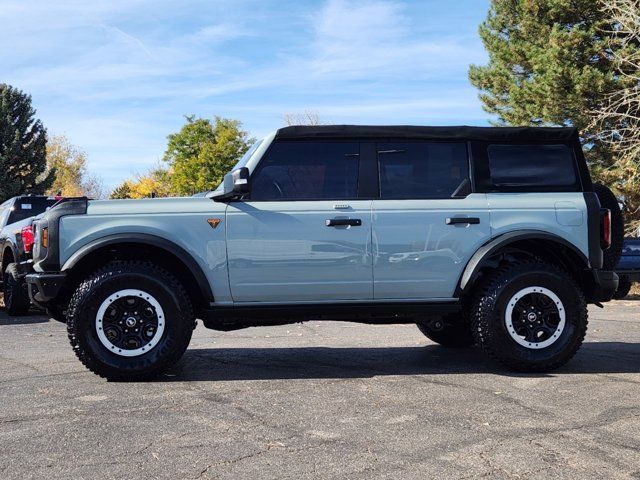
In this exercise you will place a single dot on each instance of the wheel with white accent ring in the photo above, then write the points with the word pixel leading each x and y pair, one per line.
pixel 535 317
pixel 130 321
pixel 530 316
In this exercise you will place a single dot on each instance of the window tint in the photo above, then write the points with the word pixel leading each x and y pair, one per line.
pixel 531 166
pixel 307 170
pixel 422 169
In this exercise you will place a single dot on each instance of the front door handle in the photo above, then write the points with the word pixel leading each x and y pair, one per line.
pixel 462 221
pixel 343 222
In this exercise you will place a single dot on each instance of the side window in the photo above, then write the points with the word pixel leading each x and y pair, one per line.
pixel 531 166
pixel 302 170
pixel 422 170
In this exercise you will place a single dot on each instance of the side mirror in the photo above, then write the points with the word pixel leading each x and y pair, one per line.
pixel 235 184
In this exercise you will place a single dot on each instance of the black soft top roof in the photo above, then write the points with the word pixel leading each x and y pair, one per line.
pixel 519 134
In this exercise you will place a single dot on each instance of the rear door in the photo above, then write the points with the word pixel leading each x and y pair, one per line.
pixel 427 223
pixel 304 235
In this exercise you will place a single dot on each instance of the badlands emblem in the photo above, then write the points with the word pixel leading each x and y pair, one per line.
pixel 214 222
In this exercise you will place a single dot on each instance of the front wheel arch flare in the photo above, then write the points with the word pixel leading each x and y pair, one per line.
pixel 124 242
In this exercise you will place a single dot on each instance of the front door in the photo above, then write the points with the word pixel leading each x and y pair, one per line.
pixel 303 236
pixel 427 223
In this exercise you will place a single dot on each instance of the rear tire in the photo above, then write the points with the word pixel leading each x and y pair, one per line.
pixel 612 255
pixel 624 287
pixel 16 295
pixel 531 317
pixel 130 321
pixel 449 331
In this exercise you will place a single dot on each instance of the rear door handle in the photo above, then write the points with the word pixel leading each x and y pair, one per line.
pixel 343 222
pixel 462 221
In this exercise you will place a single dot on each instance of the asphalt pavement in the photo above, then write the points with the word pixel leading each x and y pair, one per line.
pixel 322 400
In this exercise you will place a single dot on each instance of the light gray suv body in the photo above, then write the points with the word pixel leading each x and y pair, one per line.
pixel 479 235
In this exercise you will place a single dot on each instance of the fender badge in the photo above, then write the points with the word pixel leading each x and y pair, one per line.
pixel 213 222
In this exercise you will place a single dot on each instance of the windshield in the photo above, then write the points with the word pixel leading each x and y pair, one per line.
pixel 244 159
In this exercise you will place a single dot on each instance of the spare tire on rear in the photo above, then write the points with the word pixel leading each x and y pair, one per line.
pixel 612 255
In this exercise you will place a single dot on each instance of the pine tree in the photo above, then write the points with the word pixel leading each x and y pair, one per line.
pixel 122 191
pixel 23 140
pixel 550 63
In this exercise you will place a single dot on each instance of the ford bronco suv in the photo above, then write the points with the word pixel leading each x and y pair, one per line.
pixel 492 236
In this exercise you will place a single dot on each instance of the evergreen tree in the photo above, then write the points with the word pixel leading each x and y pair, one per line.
pixel 550 63
pixel 23 139
pixel 122 191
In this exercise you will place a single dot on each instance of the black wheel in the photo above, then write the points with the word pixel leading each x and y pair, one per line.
pixel 16 295
pixel 612 255
pixel 624 286
pixel 130 321
pixel 448 331
pixel 531 317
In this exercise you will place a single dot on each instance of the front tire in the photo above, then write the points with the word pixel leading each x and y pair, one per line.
pixel 16 295
pixel 130 321
pixel 531 317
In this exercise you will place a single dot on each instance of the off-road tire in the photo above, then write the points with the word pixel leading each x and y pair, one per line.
pixel 490 305
pixel 116 276
pixel 16 295
pixel 612 255
pixel 454 332
pixel 624 286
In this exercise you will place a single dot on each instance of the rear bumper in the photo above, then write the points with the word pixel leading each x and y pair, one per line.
pixel 605 285
pixel 44 287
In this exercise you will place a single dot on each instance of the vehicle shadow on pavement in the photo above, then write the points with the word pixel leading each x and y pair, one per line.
pixel 227 364
pixel 35 317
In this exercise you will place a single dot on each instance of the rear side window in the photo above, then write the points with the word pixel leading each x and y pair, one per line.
pixel 303 170
pixel 422 170
pixel 532 166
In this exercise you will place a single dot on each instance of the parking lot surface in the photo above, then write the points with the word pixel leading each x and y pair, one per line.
pixel 322 400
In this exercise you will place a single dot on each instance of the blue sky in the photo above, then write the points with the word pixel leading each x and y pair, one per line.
pixel 117 76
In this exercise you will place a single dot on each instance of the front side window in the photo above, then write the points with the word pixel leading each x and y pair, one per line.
pixel 422 170
pixel 306 170
pixel 531 166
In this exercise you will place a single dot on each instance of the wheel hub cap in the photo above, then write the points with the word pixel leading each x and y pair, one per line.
pixel 535 317
pixel 130 322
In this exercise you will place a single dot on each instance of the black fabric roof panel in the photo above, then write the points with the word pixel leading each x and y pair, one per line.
pixel 520 134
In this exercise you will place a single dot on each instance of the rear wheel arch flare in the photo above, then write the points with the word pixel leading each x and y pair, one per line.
pixel 535 243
